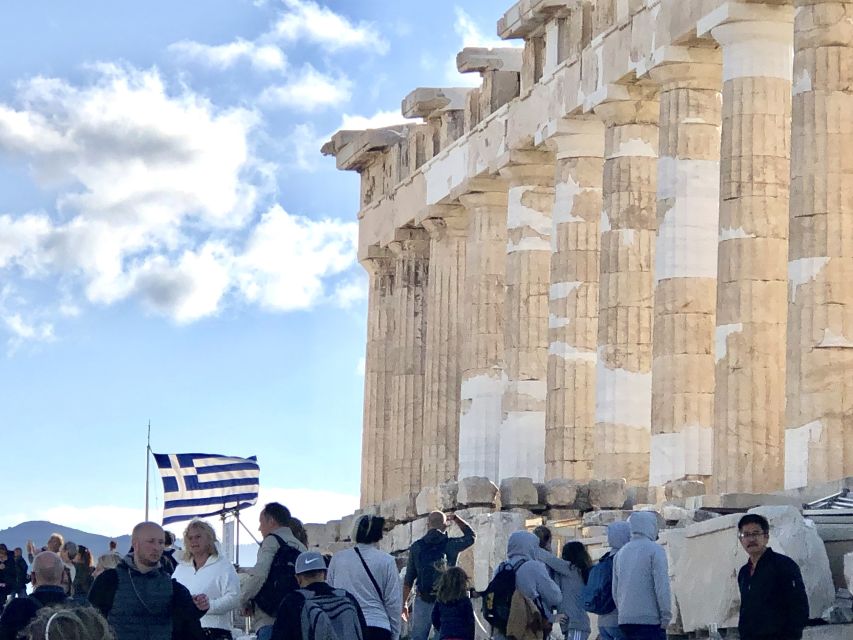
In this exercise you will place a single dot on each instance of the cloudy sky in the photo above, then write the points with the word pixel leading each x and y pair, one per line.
pixel 174 248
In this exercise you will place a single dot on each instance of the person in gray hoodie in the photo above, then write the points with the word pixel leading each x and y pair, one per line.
pixel 570 573
pixel 531 575
pixel 618 535
pixel 641 582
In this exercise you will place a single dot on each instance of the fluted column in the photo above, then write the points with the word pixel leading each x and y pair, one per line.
pixel 819 417
pixel 411 249
pixel 628 224
pixel 528 260
pixel 753 246
pixel 445 319
pixel 573 300
pixel 484 298
pixel 686 268
pixel 381 269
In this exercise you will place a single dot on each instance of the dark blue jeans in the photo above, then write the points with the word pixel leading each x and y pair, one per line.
pixel 643 631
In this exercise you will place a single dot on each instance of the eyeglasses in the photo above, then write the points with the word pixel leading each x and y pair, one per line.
pixel 750 535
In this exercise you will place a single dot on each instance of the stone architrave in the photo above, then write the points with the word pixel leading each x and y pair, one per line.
pixel 818 442
pixel 686 266
pixel 530 178
pixel 483 376
pixel 378 366
pixel 628 224
pixel 445 318
pixel 573 299
pixel 753 245
pixel 411 250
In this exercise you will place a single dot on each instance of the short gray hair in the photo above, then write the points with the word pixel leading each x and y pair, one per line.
pixel 70 549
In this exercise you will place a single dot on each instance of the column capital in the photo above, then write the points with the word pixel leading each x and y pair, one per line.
pixel 634 104
pixel 484 200
pixel 578 137
pixel 410 242
pixel 752 13
pixel 527 167
pixel 686 68
pixel 379 260
pixel 449 227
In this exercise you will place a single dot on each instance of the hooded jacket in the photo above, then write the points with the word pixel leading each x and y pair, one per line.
pixel 641 575
pixel 441 544
pixel 568 577
pixel 531 575
pixel 618 535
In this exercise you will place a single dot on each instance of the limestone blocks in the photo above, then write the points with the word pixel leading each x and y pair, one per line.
pixel 519 492
pixel 440 498
pixel 848 570
pixel 476 492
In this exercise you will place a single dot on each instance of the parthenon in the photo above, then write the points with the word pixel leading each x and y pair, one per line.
pixel 627 254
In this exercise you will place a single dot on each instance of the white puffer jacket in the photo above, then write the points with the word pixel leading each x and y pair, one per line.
pixel 216 579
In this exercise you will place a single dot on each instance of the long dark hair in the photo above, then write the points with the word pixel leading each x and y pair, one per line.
pixel 576 553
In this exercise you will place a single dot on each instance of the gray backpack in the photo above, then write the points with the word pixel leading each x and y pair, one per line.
pixel 329 617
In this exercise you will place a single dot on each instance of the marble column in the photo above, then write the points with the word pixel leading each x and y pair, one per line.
pixel 484 297
pixel 819 416
pixel 749 400
pixel 688 211
pixel 381 269
pixel 573 300
pixel 530 199
pixel 445 319
pixel 411 250
pixel 626 299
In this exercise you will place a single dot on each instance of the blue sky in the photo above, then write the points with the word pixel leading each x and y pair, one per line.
pixel 173 246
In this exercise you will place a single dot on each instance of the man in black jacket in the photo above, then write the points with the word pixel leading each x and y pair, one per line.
pixel 140 600
pixel 48 592
pixel 23 573
pixel 773 600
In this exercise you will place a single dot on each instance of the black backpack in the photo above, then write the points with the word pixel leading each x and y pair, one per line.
pixel 497 598
pixel 281 578
pixel 431 562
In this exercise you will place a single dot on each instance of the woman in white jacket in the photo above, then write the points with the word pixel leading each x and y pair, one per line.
pixel 372 577
pixel 204 571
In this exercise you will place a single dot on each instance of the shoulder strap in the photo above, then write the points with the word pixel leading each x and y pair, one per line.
pixel 369 574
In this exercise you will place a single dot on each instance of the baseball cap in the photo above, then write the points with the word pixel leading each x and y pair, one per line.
pixel 309 561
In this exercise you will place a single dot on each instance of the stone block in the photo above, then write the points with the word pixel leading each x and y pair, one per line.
pixel 316 535
pixel 674 542
pixel 347 526
pixel 593 531
pixel 333 530
pixel 518 492
pixel 560 492
pixel 672 513
pixel 645 495
pixel 440 498
pixel 401 537
pixel 493 531
pixel 603 518
pixel 848 571
pixel 399 509
pixel 477 491
pixel 419 528
pixel 608 494
pixel 562 514
pixel 705 584
pixel 683 489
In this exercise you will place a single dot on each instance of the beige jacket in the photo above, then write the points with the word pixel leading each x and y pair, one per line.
pixel 257 575
pixel 525 620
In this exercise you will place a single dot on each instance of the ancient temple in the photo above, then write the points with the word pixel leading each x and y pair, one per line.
pixel 628 254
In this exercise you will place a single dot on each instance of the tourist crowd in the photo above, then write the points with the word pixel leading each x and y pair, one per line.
pixel 159 592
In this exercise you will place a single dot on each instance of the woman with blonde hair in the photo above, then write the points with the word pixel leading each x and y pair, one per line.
pixel 106 561
pixel 205 571
pixel 68 623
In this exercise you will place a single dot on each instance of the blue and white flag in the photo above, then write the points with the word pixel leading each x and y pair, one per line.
pixel 196 485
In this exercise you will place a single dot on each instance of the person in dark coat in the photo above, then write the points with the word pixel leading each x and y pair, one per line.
pixel 773 599
pixel 23 573
pixel 141 601
pixel 453 613
pixel 48 592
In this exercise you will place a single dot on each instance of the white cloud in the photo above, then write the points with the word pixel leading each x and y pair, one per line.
pixel 376 121
pixel 361 367
pixel 156 199
pixel 307 20
pixel 264 57
pixel 309 91
pixel 471 35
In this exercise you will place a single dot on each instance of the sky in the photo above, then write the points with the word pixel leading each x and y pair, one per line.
pixel 175 249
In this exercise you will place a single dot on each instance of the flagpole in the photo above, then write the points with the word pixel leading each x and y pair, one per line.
pixel 147 468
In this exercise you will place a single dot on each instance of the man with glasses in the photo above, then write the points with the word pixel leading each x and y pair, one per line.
pixel 773 600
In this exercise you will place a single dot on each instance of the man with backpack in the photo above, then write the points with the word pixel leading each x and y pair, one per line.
pixel 316 611
pixel 427 558
pixel 273 575
pixel 48 592
pixel 597 595
pixel 641 581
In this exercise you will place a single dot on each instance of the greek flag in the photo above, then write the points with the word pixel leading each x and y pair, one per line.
pixel 196 485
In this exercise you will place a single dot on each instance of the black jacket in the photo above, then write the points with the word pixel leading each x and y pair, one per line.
pixel 8 576
pixel 425 553
pixel 288 619
pixel 21 611
pixel 23 573
pixel 454 619
pixel 773 600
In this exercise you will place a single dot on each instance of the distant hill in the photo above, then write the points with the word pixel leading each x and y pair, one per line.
pixel 40 530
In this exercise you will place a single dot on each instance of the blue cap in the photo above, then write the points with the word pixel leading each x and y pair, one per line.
pixel 309 561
